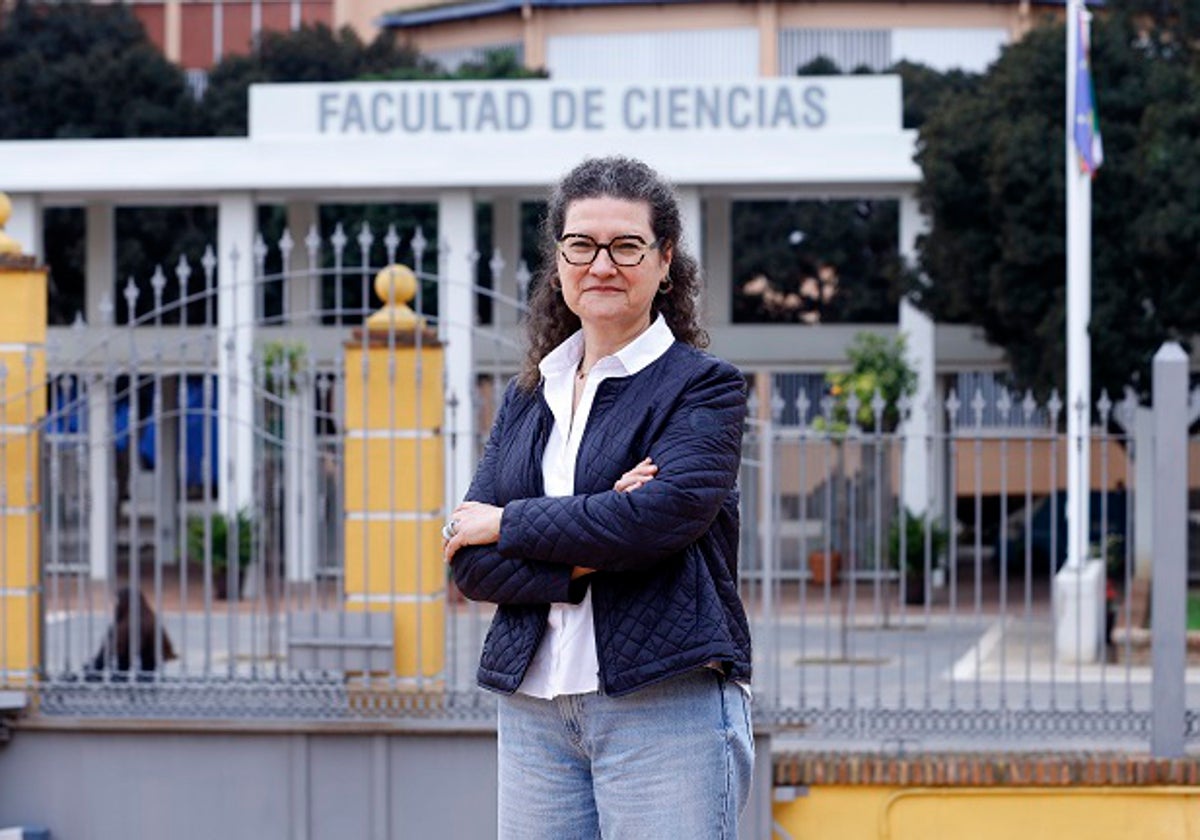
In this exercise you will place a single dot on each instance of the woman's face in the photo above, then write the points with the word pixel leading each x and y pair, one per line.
pixel 604 295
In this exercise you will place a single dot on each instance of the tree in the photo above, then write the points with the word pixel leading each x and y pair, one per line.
pixel 318 54
pixel 84 70
pixel 993 161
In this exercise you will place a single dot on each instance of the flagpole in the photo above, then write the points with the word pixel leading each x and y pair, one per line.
pixel 1079 311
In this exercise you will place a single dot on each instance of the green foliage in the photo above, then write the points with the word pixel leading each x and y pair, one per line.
pixel 877 366
pixel 77 70
pixel 993 160
pixel 217 545
pixel 915 528
pixel 318 54
pixel 281 362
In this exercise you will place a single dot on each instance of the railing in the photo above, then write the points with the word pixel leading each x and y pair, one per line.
pixel 901 587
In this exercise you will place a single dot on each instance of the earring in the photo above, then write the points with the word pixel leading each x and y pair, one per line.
pixel 666 285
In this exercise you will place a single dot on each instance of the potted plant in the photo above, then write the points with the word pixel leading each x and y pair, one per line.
pixel 916 529
pixel 209 537
pixel 879 367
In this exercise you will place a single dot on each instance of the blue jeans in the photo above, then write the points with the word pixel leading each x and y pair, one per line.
pixel 672 760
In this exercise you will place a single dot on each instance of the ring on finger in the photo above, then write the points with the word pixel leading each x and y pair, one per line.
pixel 449 530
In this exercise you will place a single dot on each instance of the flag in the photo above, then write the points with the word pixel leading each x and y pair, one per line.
pixel 1087 126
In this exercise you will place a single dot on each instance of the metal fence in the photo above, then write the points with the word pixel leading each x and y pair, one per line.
pixel 900 585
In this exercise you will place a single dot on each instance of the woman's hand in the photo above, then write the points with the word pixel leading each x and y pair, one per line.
pixel 637 477
pixel 474 524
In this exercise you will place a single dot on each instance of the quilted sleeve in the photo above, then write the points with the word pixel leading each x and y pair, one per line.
pixel 480 572
pixel 697 452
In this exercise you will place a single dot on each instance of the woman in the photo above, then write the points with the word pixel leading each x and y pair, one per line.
pixel 603 521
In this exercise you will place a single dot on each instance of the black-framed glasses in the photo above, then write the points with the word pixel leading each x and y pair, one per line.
pixel 625 251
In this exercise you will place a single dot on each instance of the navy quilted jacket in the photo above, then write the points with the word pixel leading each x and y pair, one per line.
pixel 664 595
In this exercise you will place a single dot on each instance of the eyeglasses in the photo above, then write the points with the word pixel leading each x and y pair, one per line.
pixel 625 251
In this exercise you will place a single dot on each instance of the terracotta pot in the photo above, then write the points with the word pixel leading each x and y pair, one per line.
pixel 824 566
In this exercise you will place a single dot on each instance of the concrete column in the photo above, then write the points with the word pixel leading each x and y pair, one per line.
pixel 99 289
pixel 717 259
pixel 393 485
pixel 300 484
pixel 1168 598
pixel 22 379
pixel 919 475
pixel 456 324
pixel 692 217
pixel 235 341
pixel 25 224
pixel 506 237
pixel 100 262
pixel 920 462
pixel 302 286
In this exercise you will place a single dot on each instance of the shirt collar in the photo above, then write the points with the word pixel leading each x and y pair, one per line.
pixel 630 359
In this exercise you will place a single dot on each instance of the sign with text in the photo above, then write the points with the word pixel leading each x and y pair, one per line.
pixel 439 109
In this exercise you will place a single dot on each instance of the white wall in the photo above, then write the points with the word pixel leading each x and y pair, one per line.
pixel 709 54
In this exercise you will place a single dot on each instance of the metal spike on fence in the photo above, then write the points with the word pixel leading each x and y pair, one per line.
pixel 312 244
pixel 158 282
pixel 1055 406
pixel 473 258
pixel 827 408
pixel 286 244
pixel 106 308
pixel 523 277
pixel 79 323
pixel 752 404
pixel 978 404
pixel 365 240
pixel 853 404
pixel 904 406
pixel 338 241
pixel 953 404
pixel 496 266
pixel 391 243
pixel 260 254
pixel 419 244
pixel 1028 406
pixel 878 404
pixel 1004 405
pixel 209 263
pixel 803 404
pixel 777 405
pixel 1104 406
pixel 131 296
pixel 183 273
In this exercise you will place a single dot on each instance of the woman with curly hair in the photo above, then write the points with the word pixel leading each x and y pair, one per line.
pixel 603 520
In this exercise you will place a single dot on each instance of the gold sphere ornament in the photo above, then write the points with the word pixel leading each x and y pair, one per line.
pixel 396 285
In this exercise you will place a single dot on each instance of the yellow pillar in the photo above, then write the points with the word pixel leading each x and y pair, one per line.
pixel 393 480
pixel 22 389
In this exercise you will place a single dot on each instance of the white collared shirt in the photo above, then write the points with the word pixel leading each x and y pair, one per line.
pixel 566 661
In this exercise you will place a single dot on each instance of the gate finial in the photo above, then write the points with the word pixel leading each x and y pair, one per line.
pixel 396 285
